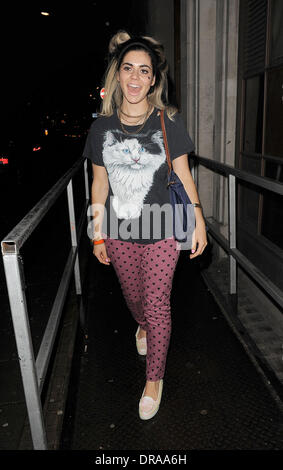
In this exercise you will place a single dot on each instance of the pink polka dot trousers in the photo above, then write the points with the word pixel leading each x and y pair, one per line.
pixel 145 273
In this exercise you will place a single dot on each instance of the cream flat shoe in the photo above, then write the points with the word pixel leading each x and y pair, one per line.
pixel 141 344
pixel 148 407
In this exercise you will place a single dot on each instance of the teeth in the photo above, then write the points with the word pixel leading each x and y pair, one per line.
pixel 134 86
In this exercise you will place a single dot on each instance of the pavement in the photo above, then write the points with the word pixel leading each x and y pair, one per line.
pixel 214 398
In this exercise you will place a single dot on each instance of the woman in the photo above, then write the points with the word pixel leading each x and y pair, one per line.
pixel 126 148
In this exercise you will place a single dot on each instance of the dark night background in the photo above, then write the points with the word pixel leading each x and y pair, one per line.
pixel 52 69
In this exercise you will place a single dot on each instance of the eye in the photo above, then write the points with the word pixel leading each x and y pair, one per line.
pixel 142 149
pixel 126 150
pixel 127 68
pixel 144 71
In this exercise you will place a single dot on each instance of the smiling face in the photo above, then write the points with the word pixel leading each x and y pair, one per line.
pixel 136 77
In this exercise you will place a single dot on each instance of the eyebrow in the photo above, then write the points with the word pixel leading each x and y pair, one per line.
pixel 143 65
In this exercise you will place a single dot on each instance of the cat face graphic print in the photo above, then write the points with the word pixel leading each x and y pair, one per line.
pixel 131 163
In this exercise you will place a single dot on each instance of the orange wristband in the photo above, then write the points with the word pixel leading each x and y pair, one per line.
pixel 98 242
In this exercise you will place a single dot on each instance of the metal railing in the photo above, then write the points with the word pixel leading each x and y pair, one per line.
pixel 33 371
pixel 236 257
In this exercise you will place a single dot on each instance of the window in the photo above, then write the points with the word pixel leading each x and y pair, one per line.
pixel 253 114
pixel 276 53
pixel 274 113
pixel 261 70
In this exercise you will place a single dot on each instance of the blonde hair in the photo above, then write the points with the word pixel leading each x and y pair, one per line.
pixel 156 97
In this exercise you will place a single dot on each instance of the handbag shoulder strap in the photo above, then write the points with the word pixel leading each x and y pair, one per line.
pixel 165 140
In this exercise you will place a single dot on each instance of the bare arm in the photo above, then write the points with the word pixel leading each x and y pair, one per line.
pixel 99 193
pixel 182 169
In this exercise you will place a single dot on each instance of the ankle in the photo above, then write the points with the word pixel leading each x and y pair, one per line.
pixel 142 333
pixel 152 388
pixel 152 384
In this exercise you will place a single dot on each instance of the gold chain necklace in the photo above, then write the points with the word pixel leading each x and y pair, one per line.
pixel 132 122
pixel 141 127
pixel 128 115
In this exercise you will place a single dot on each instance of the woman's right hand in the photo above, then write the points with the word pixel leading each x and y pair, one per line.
pixel 101 254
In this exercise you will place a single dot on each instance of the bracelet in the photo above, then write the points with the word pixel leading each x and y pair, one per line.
pixel 98 242
pixel 197 204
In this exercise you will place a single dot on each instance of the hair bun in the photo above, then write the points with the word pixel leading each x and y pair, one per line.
pixel 117 39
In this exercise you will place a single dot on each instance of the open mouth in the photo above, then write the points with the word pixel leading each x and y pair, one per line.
pixel 133 89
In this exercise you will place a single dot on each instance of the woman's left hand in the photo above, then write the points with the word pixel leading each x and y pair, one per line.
pixel 199 239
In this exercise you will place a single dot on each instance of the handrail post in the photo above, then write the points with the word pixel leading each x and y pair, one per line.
pixel 87 193
pixel 232 233
pixel 195 171
pixel 15 282
pixel 73 228
pixel 86 179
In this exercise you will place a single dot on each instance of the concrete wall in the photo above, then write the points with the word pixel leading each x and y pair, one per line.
pixel 209 51
pixel 160 25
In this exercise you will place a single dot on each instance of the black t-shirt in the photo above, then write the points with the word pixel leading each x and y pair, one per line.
pixel 138 203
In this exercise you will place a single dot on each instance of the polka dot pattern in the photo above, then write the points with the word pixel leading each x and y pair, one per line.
pixel 145 273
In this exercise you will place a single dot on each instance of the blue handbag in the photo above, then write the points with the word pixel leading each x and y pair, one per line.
pixel 182 207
